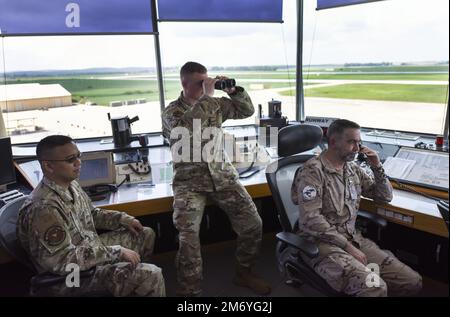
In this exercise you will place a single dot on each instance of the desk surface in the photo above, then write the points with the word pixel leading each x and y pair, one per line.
pixel 421 213
pixel 145 198
pixel 409 209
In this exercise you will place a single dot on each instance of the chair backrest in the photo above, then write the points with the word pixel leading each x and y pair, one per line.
pixel 280 174
pixel 8 237
pixel 443 209
pixel 298 138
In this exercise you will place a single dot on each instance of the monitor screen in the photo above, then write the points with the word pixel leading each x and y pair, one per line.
pixel 7 172
pixel 96 168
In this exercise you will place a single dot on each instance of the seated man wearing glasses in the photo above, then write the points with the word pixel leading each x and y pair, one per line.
pixel 57 228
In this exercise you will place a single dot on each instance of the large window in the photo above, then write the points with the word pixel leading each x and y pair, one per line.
pixel 260 56
pixel 377 63
pixel 101 74
pixel 383 64
pixel 68 85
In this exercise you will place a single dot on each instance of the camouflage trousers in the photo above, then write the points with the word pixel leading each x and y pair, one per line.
pixel 384 274
pixel 188 212
pixel 121 279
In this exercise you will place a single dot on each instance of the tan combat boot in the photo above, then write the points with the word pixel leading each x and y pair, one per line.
pixel 246 278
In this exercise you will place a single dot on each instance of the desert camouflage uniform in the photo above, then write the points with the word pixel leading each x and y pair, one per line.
pixel 328 201
pixel 215 180
pixel 57 227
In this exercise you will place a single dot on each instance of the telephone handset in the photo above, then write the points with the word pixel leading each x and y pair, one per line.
pixel 100 191
pixel 361 157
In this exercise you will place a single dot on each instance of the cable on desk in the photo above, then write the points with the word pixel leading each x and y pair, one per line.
pixel 255 157
pixel 123 181
pixel 411 189
pixel 248 169
pixel 249 173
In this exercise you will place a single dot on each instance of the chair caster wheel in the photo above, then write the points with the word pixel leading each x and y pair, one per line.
pixel 293 283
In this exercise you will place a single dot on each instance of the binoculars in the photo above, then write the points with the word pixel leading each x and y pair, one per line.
pixel 225 83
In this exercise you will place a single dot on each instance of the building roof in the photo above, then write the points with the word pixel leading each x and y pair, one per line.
pixel 32 91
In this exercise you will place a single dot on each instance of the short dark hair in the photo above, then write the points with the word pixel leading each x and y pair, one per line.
pixel 338 126
pixel 192 67
pixel 50 142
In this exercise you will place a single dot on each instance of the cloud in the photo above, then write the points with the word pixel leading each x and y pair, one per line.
pixel 391 30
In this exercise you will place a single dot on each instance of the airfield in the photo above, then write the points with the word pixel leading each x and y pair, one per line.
pixel 417 100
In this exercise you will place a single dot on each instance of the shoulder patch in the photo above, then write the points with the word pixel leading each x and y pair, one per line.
pixel 309 193
pixel 55 235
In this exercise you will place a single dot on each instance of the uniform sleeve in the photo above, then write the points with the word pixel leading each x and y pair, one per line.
pixel 205 108
pixel 308 186
pixel 238 107
pixel 377 187
pixel 109 219
pixel 53 247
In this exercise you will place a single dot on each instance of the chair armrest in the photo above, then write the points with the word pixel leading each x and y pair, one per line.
pixel 46 280
pixel 378 220
pixel 309 248
pixel 50 279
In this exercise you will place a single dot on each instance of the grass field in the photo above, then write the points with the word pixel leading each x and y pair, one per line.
pixel 103 91
pixel 415 76
pixel 356 76
pixel 413 93
pixel 93 88
pixel 385 69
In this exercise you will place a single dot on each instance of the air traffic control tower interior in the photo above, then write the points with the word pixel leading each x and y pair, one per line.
pixel 106 82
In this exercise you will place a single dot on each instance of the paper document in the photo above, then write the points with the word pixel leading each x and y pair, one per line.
pixel 398 167
pixel 423 167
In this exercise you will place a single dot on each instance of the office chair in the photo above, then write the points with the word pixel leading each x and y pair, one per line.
pixel 280 175
pixel 9 241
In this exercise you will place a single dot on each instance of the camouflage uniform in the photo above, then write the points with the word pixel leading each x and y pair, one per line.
pixel 57 227
pixel 328 201
pixel 216 180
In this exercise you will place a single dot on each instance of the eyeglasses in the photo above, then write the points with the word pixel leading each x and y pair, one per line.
pixel 72 159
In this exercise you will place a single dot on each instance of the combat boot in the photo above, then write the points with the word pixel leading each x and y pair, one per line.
pixel 246 278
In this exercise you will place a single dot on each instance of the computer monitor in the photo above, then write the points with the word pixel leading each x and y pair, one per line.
pixel 96 168
pixel 7 171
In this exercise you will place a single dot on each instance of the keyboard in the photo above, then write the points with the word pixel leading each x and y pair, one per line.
pixel 9 196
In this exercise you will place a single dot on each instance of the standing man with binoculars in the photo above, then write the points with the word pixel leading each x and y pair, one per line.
pixel 197 178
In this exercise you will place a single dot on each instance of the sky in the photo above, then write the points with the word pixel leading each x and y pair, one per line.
pixel 386 31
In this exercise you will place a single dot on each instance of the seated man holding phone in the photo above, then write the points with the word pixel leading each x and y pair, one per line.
pixel 328 191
